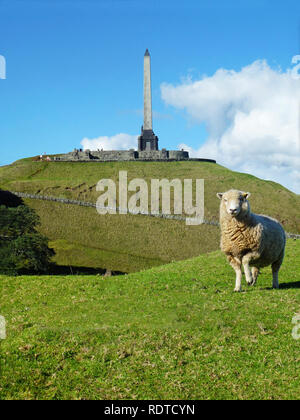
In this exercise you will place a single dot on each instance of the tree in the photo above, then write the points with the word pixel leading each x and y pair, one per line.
pixel 22 248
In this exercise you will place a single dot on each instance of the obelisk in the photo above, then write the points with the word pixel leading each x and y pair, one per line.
pixel 148 140
pixel 147 92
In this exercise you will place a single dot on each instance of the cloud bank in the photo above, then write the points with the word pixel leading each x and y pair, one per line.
pixel 252 120
pixel 120 141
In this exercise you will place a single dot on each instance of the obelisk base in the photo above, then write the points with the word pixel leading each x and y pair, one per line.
pixel 147 141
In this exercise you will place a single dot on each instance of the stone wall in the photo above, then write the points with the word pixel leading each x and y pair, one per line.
pixel 111 155
pixel 153 154
pixel 124 155
pixel 178 155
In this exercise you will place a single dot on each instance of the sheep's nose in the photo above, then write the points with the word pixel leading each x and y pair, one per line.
pixel 233 211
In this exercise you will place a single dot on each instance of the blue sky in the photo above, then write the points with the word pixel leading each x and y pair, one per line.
pixel 75 68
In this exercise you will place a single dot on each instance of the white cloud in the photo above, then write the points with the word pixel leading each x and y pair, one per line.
pixel 120 141
pixel 252 120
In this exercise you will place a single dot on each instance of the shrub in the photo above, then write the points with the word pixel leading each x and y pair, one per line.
pixel 22 248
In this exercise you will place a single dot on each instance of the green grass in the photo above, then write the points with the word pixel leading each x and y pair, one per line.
pixel 176 331
pixel 78 180
pixel 127 243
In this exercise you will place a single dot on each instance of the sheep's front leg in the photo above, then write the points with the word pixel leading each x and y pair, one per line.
pixel 237 266
pixel 255 272
pixel 246 261
pixel 248 274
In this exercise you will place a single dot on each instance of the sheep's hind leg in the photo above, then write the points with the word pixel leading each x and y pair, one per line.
pixel 237 266
pixel 275 269
pixel 275 279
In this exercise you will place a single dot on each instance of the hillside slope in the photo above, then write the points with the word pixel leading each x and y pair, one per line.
pixel 130 243
pixel 78 180
pixel 126 243
pixel 171 332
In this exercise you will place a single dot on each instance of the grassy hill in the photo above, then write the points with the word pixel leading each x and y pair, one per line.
pixel 172 332
pixel 125 243
pixel 82 238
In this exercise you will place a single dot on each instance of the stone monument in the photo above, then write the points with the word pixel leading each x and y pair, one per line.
pixel 147 149
pixel 147 140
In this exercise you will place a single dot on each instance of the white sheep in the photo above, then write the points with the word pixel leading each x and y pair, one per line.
pixel 248 239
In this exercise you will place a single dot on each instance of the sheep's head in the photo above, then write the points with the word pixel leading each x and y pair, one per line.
pixel 235 203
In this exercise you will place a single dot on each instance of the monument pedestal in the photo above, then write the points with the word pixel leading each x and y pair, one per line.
pixel 147 141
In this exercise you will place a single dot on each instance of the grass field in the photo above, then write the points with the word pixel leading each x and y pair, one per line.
pixel 176 331
pixel 82 238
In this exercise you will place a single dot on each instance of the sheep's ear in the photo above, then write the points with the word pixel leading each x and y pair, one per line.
pixel 246 195
pixel 220 195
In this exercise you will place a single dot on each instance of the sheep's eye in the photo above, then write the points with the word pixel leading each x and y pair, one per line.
pixel 225 199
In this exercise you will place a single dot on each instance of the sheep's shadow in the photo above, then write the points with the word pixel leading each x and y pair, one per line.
pixel 283 286
pixel 74 270
pixel 291 285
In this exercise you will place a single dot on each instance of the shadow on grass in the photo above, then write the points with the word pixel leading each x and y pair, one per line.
pixel 292 285
pixel 9 199
pixel 65 270
pixel 74 270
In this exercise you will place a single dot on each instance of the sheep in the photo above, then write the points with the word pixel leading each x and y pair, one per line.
pixel 248 239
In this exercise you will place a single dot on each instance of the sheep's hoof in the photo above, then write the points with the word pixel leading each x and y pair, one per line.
pixel 251 283
pixel 237 290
